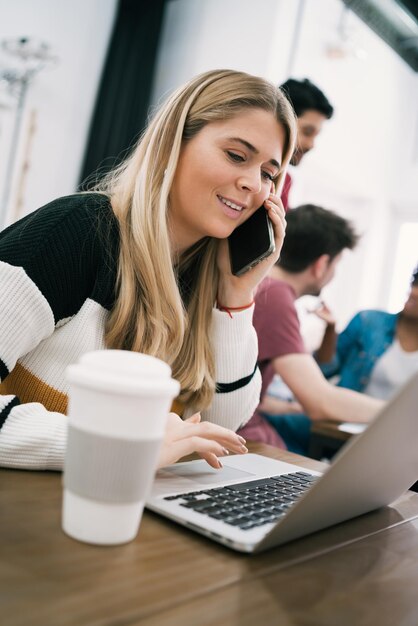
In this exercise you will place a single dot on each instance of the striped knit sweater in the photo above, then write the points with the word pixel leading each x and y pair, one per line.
pixel 57 285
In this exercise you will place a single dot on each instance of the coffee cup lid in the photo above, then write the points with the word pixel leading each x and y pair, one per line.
pixel 123 371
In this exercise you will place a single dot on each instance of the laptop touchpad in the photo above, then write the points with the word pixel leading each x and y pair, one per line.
pixel 205 474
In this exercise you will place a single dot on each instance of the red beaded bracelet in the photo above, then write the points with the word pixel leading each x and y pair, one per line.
pixel 228 309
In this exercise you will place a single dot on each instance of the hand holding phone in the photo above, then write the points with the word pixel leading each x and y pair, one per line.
pixel 237 285
pixel 251 242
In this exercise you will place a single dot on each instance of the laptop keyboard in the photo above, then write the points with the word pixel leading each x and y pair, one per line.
pixel 249 504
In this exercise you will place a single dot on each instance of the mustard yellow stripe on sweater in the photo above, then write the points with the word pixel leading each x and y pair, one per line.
pixel 177 407
pixel 29 388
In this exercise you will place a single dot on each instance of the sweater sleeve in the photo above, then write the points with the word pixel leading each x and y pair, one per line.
pixel 237 375
pixel 48 267
pixel 30 436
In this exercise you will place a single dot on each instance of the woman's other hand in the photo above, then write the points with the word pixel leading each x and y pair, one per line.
pixel 210 441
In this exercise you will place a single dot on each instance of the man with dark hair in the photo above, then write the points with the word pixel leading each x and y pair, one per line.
pixel 312 109
pixel 313 246
pixel 311 233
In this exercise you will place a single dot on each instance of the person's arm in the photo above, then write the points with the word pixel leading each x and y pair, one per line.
pixel 42 282
pixel 319 398
pixel 331 360
pixel 274 406
pixel 326 351
pixel 48 265
pixel 30 436
pixel 234 340
pixel 238 378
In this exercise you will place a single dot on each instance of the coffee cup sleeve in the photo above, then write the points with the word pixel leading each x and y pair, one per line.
pixel 109 469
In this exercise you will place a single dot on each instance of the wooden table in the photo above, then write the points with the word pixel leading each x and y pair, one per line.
pixel 357 573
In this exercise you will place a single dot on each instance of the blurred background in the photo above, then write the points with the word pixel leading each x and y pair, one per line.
pixel 78 80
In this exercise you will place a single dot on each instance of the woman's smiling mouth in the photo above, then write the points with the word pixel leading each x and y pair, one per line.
pixel 230 203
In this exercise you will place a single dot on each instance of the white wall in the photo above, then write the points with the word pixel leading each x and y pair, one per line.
pixel 365 163
pixel 199 35
pixel 62 96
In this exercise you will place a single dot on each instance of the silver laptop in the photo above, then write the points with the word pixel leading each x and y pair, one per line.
pixel 255 503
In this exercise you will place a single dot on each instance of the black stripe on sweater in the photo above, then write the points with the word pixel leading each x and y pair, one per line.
pixel 237 384
pixel 4 414
pixel 3 370
pixel 69 249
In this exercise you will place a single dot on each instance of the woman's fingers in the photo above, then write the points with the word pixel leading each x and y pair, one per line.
pixel 211 459
pixel 274 203
pixel 227 438
pixel 207 449
pixel 276 215
pixel 192 435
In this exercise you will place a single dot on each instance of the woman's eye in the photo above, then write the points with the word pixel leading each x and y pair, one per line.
pixel 235 157
pixel 268 176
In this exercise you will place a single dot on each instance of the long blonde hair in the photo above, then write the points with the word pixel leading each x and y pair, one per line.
pixel 150 315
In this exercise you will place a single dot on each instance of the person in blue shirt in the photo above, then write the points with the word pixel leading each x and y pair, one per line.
pixel 377 352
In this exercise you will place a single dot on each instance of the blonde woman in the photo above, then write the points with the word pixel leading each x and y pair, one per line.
pixel 141 263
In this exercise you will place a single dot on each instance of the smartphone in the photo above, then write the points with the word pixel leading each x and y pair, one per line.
pixel 251 242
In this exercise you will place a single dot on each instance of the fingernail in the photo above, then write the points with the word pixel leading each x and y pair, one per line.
pixel 242 440
pixel 225 451
pixel 220 464
pixel 244 449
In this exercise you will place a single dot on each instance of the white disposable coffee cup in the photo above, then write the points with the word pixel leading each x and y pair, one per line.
pixel 118 406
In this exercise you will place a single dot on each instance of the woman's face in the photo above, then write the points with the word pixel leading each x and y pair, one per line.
pixel 224 174
pixel 410 309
